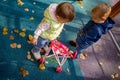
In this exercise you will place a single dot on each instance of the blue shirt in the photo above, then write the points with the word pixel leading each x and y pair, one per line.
pixel 92 31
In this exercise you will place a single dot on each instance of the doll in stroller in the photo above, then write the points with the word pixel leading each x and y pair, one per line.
pixel 60 52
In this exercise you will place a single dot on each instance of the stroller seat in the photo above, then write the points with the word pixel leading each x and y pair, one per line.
pixel 60 53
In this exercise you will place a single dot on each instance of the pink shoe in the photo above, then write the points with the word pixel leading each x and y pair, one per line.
pixel 74 56
pixel 42 60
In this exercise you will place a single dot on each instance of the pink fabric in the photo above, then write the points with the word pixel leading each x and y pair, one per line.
pixel 59 48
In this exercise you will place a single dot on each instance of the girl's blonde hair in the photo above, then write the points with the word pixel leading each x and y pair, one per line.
pixel 101 9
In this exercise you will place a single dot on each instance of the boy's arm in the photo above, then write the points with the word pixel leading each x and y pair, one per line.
pixel 110 23
pixel 41 27
pixel 93 34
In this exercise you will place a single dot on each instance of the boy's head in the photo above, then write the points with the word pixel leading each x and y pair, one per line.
pixel 101 12
pixel 65 12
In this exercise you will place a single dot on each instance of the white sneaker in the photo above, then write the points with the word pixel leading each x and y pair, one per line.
pixel 36 55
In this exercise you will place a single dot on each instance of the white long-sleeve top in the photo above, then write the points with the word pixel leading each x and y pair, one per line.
pixel 45 25
pixel 42 27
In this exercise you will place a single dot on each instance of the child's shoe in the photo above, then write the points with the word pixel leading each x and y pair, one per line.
pixel 42 59
pixel 36 55
pixel 74 55
pixel 73 43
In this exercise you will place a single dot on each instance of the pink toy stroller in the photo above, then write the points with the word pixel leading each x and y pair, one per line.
pixel 59 51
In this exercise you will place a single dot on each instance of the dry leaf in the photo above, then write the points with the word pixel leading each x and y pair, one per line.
pixel 18 45
pixel 22 34
pixel 5 29
pixel 16 31
pixel 11 37
pixel 23 72
pixel 13 45
pixel 29 56
pixel 42 66
pixel 5 32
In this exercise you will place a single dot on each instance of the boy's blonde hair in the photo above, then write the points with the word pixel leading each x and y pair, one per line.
pixel 100 10
pixel 65 10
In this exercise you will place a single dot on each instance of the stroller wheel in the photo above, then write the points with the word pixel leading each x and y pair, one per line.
pixel 59 69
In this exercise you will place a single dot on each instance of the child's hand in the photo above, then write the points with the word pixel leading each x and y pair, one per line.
pixel 34 41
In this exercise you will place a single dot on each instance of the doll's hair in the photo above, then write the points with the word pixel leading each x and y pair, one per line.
pixel 65 10
pixel 101 9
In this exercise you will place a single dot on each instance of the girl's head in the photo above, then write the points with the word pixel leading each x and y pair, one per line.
pixel 65 12
pixel 101 12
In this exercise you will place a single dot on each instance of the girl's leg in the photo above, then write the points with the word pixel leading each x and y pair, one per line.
pixel 36 50
pixel 47 50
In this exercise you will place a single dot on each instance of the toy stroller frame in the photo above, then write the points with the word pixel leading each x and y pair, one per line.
pixel 59 51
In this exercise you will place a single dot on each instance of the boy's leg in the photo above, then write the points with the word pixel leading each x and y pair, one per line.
pixel 80 50
pixel 81 53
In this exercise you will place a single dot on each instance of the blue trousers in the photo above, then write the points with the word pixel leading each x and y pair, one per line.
pixel 82 45
pixel 40 44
